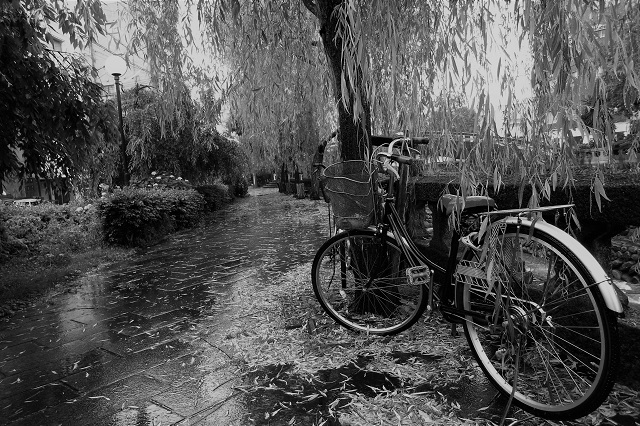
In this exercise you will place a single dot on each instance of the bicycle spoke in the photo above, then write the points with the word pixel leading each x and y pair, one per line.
pixel 540 297
pixel 364 285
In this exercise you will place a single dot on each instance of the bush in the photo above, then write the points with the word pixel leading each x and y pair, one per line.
pixel 47 229
pixel 215 195
pixel 137 217
pixel 161 180
pixel 240 187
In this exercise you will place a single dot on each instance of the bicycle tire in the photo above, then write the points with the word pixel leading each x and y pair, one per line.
pixel 548 328
pixel 359 279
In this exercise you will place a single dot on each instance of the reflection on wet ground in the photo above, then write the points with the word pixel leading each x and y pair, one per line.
pixel 119 348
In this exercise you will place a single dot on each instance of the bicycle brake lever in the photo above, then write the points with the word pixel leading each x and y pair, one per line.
pixel 386 164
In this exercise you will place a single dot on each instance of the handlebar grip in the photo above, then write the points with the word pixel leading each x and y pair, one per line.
pixel 402 159
pixel 382 140
pixel 420 141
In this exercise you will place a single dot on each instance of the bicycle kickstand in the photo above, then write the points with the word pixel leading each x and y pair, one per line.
pixel 430 301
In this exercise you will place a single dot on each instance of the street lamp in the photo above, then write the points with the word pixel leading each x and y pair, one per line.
pixel 116 66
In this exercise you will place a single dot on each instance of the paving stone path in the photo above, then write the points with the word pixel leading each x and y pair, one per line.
pixel 125 346
pixel 120 349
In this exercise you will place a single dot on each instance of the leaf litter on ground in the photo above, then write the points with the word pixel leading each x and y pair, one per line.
pixel 282 324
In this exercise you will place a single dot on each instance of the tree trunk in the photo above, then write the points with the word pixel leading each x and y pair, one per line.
pixel 300 190
pixel 316 163
pixel 284 178
pixel 316 166
pixel 354 132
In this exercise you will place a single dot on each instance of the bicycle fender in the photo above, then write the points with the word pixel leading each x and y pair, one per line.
pixel 597 272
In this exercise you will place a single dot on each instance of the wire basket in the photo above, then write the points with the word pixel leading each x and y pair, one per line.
pixel 349 189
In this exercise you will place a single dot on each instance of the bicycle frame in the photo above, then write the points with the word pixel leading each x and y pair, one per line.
pixel 392 224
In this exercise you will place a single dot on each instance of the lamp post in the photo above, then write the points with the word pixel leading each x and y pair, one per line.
pixel 116 66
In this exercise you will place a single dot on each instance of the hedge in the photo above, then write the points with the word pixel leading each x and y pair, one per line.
pixel 138 217
pixel 47 229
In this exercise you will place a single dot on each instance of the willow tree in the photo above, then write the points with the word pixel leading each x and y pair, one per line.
pixel 276 85
pixel 388 63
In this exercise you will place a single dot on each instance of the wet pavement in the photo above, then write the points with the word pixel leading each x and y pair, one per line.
pixel 155 340
pixel 121 347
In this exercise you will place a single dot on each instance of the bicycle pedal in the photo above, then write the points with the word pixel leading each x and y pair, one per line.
pixel 418 275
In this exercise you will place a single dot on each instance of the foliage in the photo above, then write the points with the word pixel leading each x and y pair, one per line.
pixel 162 180
pixel 47 229
pixel 187 146
pixel 615 97
pixel 51 111
pixel 279 94
pixel 240 188
pixel 620 94
pixel 166 52
pixel 226 157
pixel 215 195
pixel 388 63
pixel 137 217
pixel 450 114
pixel 103 160
pixel 80 23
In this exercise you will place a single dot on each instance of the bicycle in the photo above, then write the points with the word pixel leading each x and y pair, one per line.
pixel 539 313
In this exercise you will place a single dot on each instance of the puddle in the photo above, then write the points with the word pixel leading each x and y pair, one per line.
pixel 353 377
pixel 470 394
pixel 283 395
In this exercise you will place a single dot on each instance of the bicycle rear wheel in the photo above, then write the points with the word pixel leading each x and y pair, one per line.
pixel 360 280
pixel 541 328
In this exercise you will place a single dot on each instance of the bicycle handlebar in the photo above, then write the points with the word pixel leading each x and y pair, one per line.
pixel 382 140
pixel 402 159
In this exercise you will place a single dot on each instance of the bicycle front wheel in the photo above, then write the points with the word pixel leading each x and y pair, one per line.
pixel 360 280
pixel 540 329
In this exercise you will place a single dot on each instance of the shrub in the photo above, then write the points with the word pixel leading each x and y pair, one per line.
pixel 47 228
pixel 136 217
pixel 240 187
pixel 161 180
pixel 215 195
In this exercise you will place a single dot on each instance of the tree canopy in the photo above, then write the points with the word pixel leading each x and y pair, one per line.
pixel 381 67
pixel 51 112
pixel 189 146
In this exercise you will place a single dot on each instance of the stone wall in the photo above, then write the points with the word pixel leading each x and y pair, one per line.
pixel 625 254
